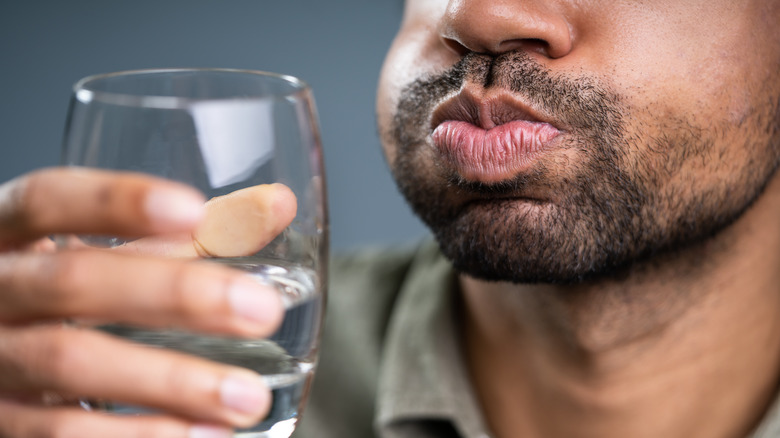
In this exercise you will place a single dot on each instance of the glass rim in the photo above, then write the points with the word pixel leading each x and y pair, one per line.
pixel 84 94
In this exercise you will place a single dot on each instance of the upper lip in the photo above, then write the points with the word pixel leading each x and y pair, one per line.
pixel 486 108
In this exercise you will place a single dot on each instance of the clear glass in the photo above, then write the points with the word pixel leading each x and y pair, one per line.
pixel 220 131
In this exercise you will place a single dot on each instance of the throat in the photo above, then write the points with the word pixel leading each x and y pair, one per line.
pixel 641 356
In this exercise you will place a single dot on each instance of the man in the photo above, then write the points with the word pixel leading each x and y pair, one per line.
pixel 601 176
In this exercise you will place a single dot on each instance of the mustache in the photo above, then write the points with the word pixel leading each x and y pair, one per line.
pixel 581 103
pixel 592 113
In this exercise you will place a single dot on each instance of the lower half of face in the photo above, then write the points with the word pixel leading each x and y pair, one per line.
pixel 620 182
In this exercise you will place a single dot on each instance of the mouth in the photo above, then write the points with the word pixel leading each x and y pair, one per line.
pixel 489 136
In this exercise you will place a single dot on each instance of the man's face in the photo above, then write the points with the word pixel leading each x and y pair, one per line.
pixel 556 141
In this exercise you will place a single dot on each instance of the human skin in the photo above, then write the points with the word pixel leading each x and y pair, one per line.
pixel 46 366
pixel 677 339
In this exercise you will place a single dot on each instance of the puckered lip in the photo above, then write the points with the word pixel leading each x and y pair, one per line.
pixel 488 108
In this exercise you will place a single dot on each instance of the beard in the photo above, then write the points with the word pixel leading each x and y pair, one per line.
pixel 612 194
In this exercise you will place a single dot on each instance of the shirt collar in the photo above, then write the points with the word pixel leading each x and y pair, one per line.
pixel 423 376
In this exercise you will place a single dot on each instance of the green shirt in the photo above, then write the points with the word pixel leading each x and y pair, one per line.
pixel 391 364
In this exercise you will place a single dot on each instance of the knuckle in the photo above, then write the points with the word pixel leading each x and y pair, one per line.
pixel 113 194
pixel 195 380
pixel 11 422
pixel 61 425
pixel 15 272
pixel 23 195
pixel 162 428
pixel 62 355
pixel 20 191
pixel 104 192
pixel 40 284
pixel 13 200
pixel 19 421
pixel 180 377
pixel 135 189
pixel 180 289
pixel 121 198
pixel 38 277
pixel 69 424
pixel 70 272
pixel 196 384
pixel 194 289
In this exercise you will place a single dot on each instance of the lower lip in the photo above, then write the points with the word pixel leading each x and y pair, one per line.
pixel 492 155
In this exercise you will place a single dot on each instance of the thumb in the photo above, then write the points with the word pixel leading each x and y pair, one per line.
pixel 234 225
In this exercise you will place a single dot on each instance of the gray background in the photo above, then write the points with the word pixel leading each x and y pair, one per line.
pixel 337 46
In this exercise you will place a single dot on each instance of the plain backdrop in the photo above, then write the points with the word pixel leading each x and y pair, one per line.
pixel 337 46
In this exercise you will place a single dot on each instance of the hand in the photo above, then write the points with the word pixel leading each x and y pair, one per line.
pixel 45 364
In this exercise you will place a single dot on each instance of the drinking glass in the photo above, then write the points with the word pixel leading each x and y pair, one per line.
pixel 220 131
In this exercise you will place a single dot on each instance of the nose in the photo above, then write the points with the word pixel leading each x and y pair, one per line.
pixel 497 26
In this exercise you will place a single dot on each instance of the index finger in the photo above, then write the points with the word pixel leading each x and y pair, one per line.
pixel 87 201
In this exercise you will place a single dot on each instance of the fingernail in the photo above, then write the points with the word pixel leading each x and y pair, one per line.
pixel 254 301
pixel 200 431
pixel 169 207
pixel 246 394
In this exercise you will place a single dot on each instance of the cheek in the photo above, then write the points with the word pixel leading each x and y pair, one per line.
pixel 386 102
pixel 704 156
pixel 688 53
pixel 416 52
pixel 393 77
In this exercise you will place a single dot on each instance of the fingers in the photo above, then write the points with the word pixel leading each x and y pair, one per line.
pixel 98 284
pixel 85 201
pixel 82 201
pixel 20 421
pixel 238 224
pixel 49 357
pixel 37 284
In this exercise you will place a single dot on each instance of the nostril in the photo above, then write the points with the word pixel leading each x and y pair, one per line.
pixel 456 46
pixel 531 45
pixel 535 45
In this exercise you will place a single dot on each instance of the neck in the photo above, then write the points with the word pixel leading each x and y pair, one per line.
pixel 684 345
